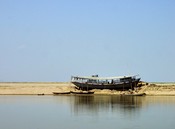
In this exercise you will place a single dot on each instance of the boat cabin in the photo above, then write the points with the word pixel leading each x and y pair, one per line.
pixel 102 80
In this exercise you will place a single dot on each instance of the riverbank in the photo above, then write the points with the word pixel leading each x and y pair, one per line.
pixel 46 88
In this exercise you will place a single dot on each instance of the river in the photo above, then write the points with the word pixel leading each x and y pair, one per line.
pixel 87 112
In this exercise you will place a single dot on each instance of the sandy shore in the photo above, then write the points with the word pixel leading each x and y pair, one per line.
pixel 46 88
pixel 33 88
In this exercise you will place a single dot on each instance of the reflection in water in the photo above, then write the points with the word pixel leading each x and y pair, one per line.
pixel 95 104
pixel 87 112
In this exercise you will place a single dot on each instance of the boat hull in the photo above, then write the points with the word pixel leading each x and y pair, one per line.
pixel 58 93
pixel 121 85
pixel 82 92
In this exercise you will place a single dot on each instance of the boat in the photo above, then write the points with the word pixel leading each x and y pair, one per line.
pixel 64 92
pixel 82 92
pixel 95 82
pixel 41 94
pixel 134 94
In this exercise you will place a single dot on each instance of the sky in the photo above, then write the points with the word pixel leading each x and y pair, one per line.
pixel 51 40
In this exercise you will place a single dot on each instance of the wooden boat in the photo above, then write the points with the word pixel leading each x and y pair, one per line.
pixel 82 92
pixel 64 92
pixel 95 82
pixel 134 94
pixel 41 94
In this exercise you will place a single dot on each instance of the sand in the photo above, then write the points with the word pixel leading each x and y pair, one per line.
pixel 47 88
pixel 33 88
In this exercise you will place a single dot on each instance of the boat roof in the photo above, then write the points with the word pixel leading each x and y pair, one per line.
pixel 102 78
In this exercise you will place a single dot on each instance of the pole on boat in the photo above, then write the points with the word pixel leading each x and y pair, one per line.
pixel 123 86
pixel 131 84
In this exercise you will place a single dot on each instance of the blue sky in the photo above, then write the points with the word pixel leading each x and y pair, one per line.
pixel 50 40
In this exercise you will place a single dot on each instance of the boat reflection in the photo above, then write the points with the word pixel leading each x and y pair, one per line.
pixel 94 104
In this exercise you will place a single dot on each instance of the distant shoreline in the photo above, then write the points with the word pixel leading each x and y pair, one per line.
pixel 69 82
pixel 47 88
pixel 34 82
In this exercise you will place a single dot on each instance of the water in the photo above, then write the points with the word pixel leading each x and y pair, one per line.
pixel 87 112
